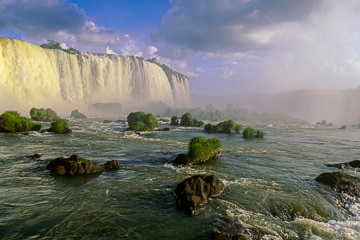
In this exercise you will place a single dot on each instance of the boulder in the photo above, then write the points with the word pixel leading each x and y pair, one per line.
pixel 76 165
pixel 195 191
pixel 341 182
pixel 229 229
pixel 34 156
pixel 353 164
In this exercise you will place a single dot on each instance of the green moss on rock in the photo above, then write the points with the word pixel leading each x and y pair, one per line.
pixel 140 121
pixel 250 132
pixel 60 126
pixel 228 126
pixel 11 121
pixel 188 121
pixel 43 115
pixel 200 151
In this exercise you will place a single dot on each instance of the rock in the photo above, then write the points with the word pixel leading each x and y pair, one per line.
pixel 353 164
pixel 111 165
pixel 229 229
pixel 164 129
pixel 341 182
pixel 180 159
pixel 34 156
pixel 108 121
pixel 195 191
pixel 76 165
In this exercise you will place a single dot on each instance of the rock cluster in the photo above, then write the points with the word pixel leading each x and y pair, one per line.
pixel 76 165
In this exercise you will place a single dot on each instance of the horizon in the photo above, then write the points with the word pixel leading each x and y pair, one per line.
pixel 225 48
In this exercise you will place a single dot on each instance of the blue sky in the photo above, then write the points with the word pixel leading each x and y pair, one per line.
pixel 224 46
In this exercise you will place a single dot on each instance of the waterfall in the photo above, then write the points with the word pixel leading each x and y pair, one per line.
pixel 34 76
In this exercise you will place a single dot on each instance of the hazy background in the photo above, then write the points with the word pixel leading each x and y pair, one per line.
pixel 252 53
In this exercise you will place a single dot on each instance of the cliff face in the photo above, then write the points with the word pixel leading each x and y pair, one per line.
pixel 34 76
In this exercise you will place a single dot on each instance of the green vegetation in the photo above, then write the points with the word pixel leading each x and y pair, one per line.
pixel 188 121
pixel 343 127
pixel 51 44
pixel 60 126
pixel 345 179
pixel 202 150
pixel 210 113
pixel 324 123
pixel 250 132
pixel 43 115
pixel 174 121
pixel 228 126
pixel 139 121
pixel 11 121
pixel 77 114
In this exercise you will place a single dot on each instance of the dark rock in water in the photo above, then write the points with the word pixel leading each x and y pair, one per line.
pixel 34 156
pixel 194 191
pixel 165 129
pixel 180 159
pixel 108 121
pixel 353 164
pixel 76 165
pixel 111 165
pixel 231 229
pixel 341 182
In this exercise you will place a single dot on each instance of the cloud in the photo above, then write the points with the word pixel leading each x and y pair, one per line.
pixel 60 20
pixel 229 25
pixel 261 45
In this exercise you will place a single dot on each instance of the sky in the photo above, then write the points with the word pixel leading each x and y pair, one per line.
pixel 225 47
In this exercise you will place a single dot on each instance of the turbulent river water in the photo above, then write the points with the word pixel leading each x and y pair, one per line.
pixel 264 177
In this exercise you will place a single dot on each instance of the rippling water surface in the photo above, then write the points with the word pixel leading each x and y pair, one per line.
pixel 265 178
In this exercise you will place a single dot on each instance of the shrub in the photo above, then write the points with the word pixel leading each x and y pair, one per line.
pixel 139 121
pixel 11 121
pixel 223 127
pixel 343 127
pixel 174 121
pixel 202 150
pixel 77 114
pixel 44 115
pixel 187 120
pixel 250 132
pixel 60 126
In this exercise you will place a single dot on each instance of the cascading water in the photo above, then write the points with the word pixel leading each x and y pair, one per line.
pixel 34 76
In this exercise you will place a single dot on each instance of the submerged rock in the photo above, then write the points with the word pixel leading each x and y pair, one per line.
pixel 34 156
pixel 195 191
pixel 229 229
pixel 341 182
pixel 76 165
pixel 353 164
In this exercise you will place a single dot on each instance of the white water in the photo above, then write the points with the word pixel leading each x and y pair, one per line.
pixel 33 76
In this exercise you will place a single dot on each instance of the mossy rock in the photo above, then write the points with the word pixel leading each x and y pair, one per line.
pixel 43 115
pixel 140 121
pixel 60 126
pixel 201 150
pixel 229 127
pixel 250 133
pixel 12 122
pixel 77 114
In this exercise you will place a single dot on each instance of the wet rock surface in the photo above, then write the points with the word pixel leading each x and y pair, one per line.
pixel 231 229
pixel 341 182
pixel 353 164
pixel 76 165
pixel 195 191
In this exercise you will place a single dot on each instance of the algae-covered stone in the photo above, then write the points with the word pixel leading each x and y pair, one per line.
pixel 11 121
pixel 60 126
